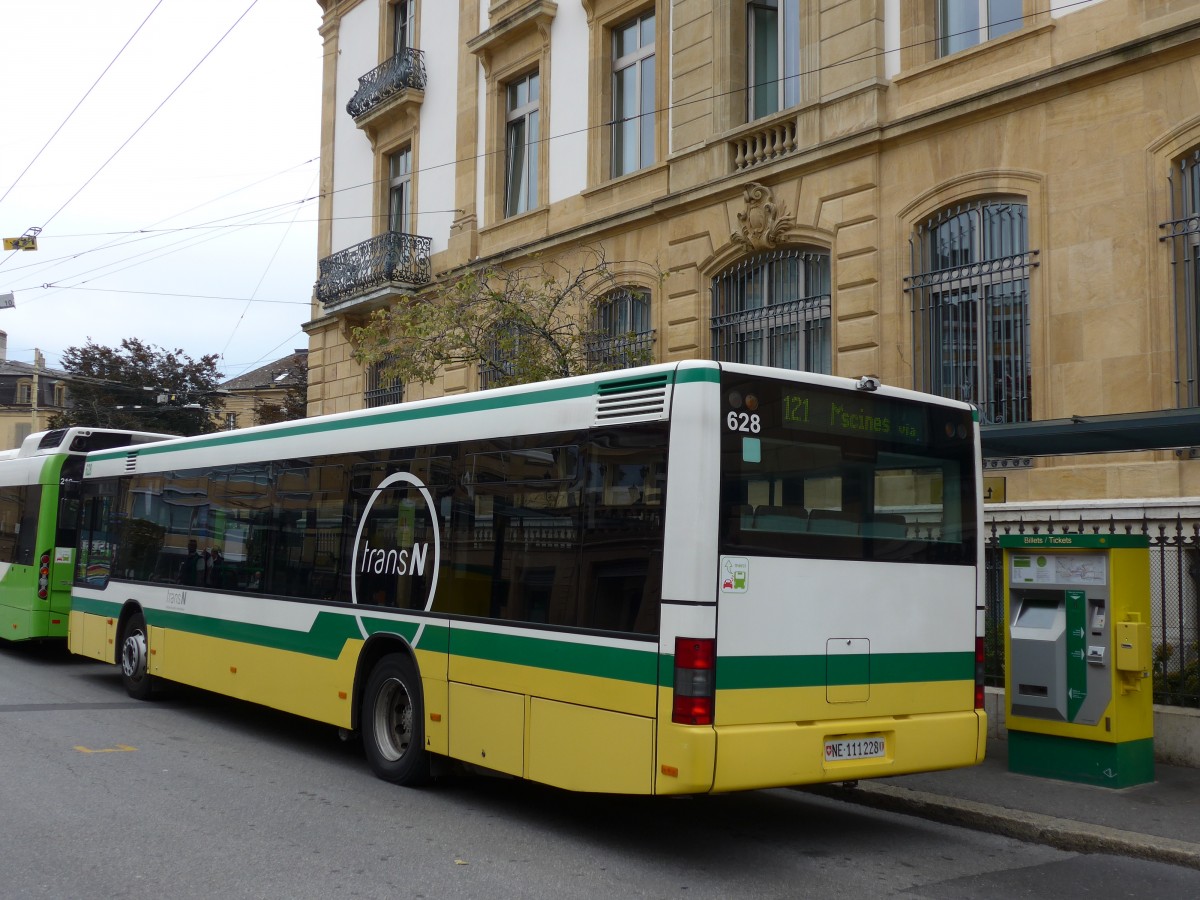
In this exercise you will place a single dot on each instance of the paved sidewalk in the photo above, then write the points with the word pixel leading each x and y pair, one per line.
pixel 1159 821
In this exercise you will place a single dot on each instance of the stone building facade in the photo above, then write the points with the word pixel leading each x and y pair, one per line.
pixel 992 200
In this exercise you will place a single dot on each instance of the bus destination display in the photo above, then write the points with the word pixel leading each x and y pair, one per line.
pixel 851 415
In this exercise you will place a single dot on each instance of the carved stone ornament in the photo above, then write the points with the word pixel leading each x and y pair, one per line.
pixel 763 222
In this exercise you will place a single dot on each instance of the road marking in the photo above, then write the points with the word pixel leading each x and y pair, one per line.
pixel 59 707
pixel 120 748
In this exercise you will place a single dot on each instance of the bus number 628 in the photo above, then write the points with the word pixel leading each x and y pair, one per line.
pixel 737 421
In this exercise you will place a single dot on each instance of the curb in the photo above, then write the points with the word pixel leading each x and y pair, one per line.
pixel 1065 834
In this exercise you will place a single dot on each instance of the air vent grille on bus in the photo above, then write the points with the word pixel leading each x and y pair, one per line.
pixel 52 439
pixel 131 461
pixel 627 399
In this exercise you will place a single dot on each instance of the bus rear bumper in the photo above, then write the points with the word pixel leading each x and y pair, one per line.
pixel 750 757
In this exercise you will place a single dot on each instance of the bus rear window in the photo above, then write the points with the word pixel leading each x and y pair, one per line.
pixel 815 472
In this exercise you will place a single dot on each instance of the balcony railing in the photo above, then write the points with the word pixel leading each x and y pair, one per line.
pixel 388 259
pixel 765 144
pixel 404 71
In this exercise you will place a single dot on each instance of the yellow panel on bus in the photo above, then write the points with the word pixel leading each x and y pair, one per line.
pixel 487 728
pixel 584 749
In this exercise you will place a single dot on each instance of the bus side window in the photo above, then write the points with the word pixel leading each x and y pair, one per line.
pixel 623 521
pixel 31 501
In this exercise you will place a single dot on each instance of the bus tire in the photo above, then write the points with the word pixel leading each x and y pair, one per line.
pixel 393 722
pixel 135 658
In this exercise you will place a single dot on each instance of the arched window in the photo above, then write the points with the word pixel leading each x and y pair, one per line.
pixel 621 334
pixel 773 310
pixel 970 305
pixel 1183 234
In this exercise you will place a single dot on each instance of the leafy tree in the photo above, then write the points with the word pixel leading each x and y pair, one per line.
pixel 142 386
pixel 520 324
pixel 294 404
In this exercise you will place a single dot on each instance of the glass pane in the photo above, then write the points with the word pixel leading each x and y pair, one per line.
pixel 516 169
pixel 627 39
pixel 1004 16
pixel 531 193
pixel 627 98
pixel 789 36
pixel 958 25
pixel 533 88
pixel 398 209
pixel 648 30
pixel 647 110
pixel 764 61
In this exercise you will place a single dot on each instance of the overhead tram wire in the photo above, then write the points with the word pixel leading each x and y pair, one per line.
pixel 146 234
pixel 207 232
pixel 484 155
pixel 154 112
pixel 75 108
pixel 266 269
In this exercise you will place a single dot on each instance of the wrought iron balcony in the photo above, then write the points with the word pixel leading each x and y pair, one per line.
pixel 404 71
pixel 389 260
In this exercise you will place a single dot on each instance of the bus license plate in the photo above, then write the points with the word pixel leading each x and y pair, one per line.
pixel 855 748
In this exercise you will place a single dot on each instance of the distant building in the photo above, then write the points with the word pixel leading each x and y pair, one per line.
pixel 29 395
pixel 248 398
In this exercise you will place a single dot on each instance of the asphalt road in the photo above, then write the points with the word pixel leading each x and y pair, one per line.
pixel 193 795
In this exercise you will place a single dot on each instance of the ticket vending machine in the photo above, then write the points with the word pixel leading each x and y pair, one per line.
pixel 1077 657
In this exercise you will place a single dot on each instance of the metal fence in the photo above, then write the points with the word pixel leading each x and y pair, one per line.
pixel 1174 589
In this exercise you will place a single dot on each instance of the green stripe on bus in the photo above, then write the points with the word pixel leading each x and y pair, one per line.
pixel 330 631
pixel 409 414
pixel 339 423
pixel 750 672
pixel 325 639
pixel 622 664
pixel 706 375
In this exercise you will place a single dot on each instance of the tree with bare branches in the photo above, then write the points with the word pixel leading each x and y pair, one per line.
pixel 519 324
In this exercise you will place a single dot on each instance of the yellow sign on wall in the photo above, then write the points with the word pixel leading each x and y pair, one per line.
pixel 993 488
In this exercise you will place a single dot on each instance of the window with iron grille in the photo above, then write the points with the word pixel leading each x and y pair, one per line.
pixel 381 389
pixel 621 335
pixel 501 364
pixel 1183 235
pixel 773 309
pixel 970 303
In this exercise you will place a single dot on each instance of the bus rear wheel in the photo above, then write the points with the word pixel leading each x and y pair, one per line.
pixel 393 725
pixel 134 660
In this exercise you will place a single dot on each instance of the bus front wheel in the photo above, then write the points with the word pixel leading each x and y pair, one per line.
pixel 393 726
pixel 135 654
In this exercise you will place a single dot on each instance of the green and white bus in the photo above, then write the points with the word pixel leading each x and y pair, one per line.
pixel 39 503
pixel 684 578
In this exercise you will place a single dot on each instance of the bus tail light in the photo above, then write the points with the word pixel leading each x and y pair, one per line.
pixel 695 681
pixel 979 673
pixel 44 576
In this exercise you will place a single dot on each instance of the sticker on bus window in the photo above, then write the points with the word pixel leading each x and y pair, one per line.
pixel 735 574
pixel 751 450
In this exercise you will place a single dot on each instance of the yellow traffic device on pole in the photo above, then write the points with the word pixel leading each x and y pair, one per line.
pixel 1077 657
pixel 25 242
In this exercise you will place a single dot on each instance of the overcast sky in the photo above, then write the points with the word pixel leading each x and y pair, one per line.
pixel 196 233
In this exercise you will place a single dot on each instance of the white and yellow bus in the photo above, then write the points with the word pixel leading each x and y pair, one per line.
pixel 678 579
